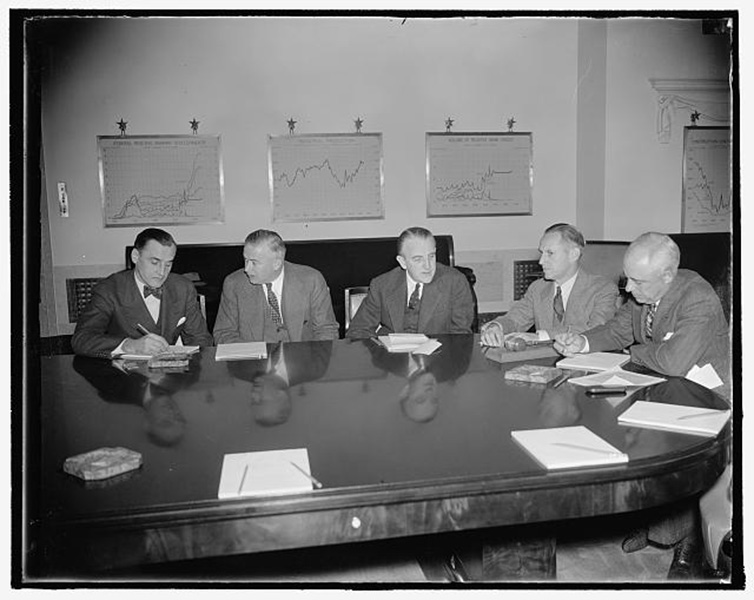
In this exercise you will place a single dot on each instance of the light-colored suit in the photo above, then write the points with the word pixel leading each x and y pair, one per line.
pixel 446 305
pixel 117 306
pixel 305 305
pixel 689 328
pixel 592 302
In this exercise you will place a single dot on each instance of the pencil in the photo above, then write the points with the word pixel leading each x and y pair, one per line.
pixel 562 380
pixel 243 477
pixel 143 329
pixel 315 481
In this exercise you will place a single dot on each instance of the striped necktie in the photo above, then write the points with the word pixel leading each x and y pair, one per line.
pixel 272 299
pixel 649 320
pixel 414 300
pixel 557 306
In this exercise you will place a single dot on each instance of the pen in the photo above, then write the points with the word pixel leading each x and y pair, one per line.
pixel 316 482
pixel 578 447
pixel 143 329
pixel 696 416
pixel 600 391
pixel 243 477
pixel 561 381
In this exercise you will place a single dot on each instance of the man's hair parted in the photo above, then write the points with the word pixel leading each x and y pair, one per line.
pixel 158 235
pixel 272 238
pixel 406 234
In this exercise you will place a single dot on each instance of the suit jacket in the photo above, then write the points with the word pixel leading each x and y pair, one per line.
pixel 593 301
pixel 446 307
pixel 305 304
pixel 689 328
pixel 117 306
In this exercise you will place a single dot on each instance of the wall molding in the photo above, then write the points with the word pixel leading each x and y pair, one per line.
pixel 709 97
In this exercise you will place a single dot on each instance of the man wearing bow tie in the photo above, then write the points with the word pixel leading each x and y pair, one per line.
pixel 142 311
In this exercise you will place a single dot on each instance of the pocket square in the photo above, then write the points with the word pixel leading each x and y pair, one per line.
pixel 181 321
pixel 668 335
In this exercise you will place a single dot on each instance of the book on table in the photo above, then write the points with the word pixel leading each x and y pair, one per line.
pixel 568 447
pixel 594 361
pixel 241 351
pixel 403 342
pixel 174 352
pixel 675 417
pixel 533 373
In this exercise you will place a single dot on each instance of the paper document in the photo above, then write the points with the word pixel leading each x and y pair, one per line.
pixel 265 473
pixel 706 376
pixel 675 417
pixel 568 447
pixel 176 350
pixel 617 378
pixel 427 347
pixel 403 342
pixel 594 361
pixel 241 351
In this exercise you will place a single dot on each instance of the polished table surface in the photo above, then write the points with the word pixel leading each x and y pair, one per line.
pixel 398 453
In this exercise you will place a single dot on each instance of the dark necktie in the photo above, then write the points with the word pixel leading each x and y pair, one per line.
pixel 414 300
pixel 273 301
pixel 152 291
pixel 557 306
pixel 649 320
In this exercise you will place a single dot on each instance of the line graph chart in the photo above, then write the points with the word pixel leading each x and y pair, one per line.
pixel 706 180
pixel 321 177
pixel 479 173
pixel 160 180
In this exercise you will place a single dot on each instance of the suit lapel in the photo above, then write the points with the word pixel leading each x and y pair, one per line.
pixel 254 304
pixel 291 305
pixel 136 304
pixel 431 296
pixel 545 300
pixel 396 302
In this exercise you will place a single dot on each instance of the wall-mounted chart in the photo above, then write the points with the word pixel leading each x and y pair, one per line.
pixel 706 180
pixel 477 174
pixel 160 180
pixel 323 177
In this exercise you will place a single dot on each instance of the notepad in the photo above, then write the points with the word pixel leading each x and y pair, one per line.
pixel 403 342
pixel 675 417
pixel 172 350
pixel 594 361
pixel 568 447
pixel 241 351
pixel 265 473
pixel 617 378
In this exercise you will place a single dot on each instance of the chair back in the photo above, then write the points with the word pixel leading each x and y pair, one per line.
pixel 354 296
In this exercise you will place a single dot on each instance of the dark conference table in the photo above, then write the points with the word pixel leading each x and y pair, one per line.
pixel 396 459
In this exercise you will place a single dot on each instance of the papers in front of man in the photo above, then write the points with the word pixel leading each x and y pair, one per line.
pixel 266 473
pixel 241 351
pixel 706 376
pixel 675 417
pixel 173 351
pixel 409 342
pixel 568 447
pixel 594 361
pixel 533 373
pixel 616 378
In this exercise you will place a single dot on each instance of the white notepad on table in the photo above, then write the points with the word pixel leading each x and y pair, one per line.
pixel 618 378
pixel 675 417
pixel 241 351
pixel 568 447
pixel 594 361
pixel 265 473
pixel 403 342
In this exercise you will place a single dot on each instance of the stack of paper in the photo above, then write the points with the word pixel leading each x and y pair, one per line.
pixel 617 378
pixel 241 351
pixel 594 361
pixel 171 350
pixel 266 473
pixel 408 342
pixel 675 417
pixel 568 447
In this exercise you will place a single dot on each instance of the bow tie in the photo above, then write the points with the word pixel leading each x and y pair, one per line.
pixel 153 291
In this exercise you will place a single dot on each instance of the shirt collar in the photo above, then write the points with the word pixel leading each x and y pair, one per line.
pixel 567 286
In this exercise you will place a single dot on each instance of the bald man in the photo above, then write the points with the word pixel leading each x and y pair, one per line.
pixel 673 322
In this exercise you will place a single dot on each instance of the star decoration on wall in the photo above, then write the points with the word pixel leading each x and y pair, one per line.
pixel 291 125
pixel 695 117
pixel 511 123
pixel 358 123
pixel 194 125
pixel 122 126
pixel 448 124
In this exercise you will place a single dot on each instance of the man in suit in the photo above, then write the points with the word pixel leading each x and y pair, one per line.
pixel 674 322
pixel 418 296
pixel 144 310
pixel 273 300
pixel 567 298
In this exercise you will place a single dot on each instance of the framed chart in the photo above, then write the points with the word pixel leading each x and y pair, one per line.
pixel 707 188
pixel 160 180
pixel 478 174
pixel 326 177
